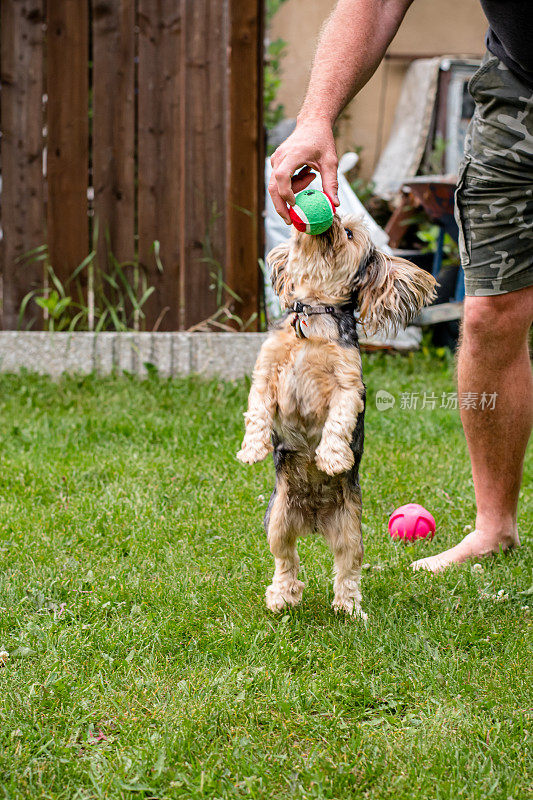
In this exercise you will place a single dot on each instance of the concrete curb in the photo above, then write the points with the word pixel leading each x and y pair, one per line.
pixel 228 355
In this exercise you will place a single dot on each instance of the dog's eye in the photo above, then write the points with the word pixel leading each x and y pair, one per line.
pixel 349 233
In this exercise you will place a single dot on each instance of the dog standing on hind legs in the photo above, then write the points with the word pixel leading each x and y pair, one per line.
pixel 307 399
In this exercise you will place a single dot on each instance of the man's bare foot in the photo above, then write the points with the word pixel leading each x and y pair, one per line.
pixel 475 545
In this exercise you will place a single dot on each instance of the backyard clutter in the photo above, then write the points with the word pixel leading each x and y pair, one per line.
pixel 137 656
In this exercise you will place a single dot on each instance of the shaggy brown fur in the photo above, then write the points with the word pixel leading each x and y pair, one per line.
pixel 307 397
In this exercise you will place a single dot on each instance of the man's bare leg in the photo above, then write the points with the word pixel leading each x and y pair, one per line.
pixel 494 357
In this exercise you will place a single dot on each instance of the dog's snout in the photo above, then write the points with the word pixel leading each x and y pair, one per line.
pixel 330 236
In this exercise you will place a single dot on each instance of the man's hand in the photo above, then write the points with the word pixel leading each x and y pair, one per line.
pixel 310 146
pixel 352 43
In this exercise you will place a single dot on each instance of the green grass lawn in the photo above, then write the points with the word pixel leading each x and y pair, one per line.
pixel 142 660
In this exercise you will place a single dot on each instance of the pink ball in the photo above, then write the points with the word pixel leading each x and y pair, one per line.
pixel 411 522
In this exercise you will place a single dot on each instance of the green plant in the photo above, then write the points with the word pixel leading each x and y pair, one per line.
pixel 363 189
pixel 55 306
pixel 428 234
pixel 274 52
pixel 224 318
pixel 92 299
pixel 273 112
pixel 272 6
pixel 434 161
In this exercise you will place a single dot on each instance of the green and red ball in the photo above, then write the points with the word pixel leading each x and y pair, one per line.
pixel 313 212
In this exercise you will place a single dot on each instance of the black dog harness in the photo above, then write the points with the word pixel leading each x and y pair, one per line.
pixel 302 312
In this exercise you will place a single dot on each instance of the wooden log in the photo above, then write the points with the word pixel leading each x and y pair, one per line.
pixel 113 131
pixel 21 71
pixel 67 83
pixel 245 192
pixel 160 139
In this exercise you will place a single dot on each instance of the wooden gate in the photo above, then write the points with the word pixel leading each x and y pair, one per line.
pixel 145 116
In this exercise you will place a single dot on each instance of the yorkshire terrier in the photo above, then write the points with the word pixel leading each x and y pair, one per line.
pixel 307 399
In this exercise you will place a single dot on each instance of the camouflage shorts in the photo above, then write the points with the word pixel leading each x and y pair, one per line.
pixel 494 198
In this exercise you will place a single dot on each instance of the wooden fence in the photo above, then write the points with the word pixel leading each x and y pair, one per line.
pixel 144 115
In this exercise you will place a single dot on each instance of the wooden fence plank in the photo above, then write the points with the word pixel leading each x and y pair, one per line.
pixel 159 171
pixel 113 130
pixel 182 97
pixel 245 153
pixel 68 129
pixel 22 208
pixel 204 89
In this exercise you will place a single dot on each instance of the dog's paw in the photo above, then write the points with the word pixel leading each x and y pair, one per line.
pixel 251 452
pixel 279 596
pixel 348 605
pixel 334 460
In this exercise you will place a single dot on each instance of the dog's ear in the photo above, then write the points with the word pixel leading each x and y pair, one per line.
pixel 390 291
pixel 277 261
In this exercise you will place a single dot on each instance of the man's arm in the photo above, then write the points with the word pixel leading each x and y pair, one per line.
pixel 352 44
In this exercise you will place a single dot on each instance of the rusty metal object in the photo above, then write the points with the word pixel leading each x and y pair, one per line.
pixel 434 193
